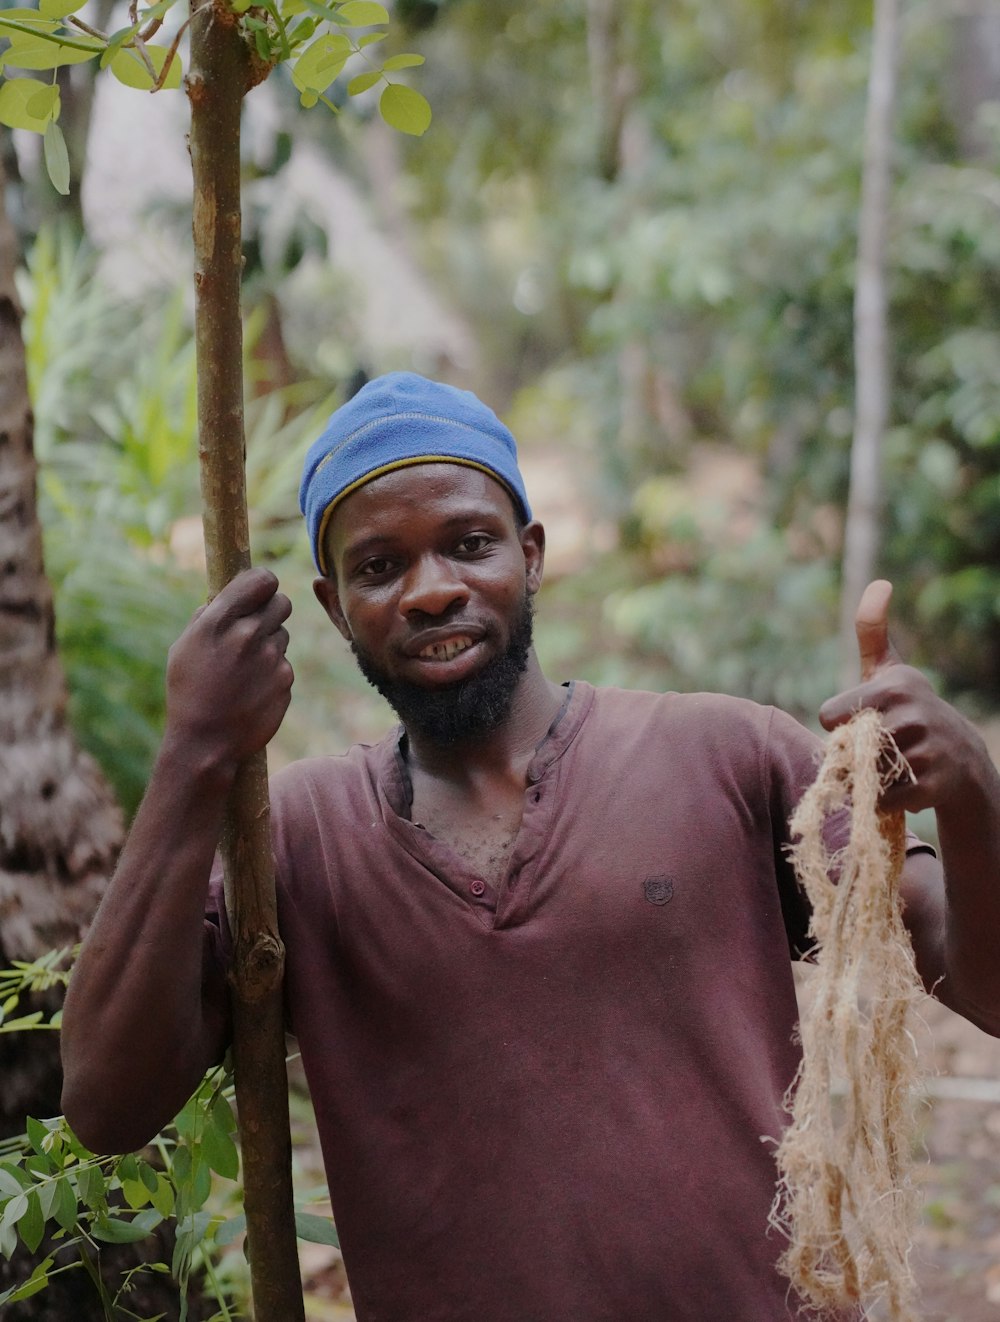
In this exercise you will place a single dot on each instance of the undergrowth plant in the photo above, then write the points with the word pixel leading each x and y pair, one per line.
pixel 56 1195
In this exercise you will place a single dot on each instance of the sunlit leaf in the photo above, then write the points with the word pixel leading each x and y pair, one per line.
pixel 59 8
pixel 363 81
pixel 321 62
pixel 402 62
pixel 129 68
pixel 56 157
pixel 404 109
pixel 35 52
pixel 362 13
pixel 15 93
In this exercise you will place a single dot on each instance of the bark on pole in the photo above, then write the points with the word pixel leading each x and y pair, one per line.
pixel 219 77
pixel 871 334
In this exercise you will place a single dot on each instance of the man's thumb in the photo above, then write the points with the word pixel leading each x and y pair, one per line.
pixel 871 623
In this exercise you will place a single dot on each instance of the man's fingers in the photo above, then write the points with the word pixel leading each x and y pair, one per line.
pixel 243 595
pixel 871 624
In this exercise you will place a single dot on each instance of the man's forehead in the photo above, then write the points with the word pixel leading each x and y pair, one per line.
pixel 447 491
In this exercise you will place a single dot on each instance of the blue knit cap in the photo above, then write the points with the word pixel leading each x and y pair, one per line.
pixel 395 421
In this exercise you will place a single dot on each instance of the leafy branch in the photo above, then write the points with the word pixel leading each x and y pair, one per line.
pixel 316 39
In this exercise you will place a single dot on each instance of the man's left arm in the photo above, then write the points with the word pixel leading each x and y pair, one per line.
pixel 952 905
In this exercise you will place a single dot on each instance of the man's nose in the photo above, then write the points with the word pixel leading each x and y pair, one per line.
pixel 432 587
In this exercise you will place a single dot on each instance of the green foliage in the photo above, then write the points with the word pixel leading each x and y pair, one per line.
pixel 53 1189
pixel 714 255
pixel 315 39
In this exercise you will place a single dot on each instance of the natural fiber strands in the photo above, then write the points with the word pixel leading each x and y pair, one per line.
pixel 845 1198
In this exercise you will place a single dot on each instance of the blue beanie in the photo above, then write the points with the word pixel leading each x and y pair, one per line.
pixel 394 421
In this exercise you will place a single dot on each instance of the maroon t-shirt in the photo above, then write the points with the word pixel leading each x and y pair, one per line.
pixel 556 1101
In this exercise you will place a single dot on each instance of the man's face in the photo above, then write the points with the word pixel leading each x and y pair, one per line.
pixel 431 584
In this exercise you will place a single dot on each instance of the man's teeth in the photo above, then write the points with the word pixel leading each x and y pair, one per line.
pixel 446 650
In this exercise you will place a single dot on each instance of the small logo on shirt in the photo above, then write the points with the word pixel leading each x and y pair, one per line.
pixel 658 890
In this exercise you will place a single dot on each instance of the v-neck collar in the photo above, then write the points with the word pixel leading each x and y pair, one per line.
pixel 396 797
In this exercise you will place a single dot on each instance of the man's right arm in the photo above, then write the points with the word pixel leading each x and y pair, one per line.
pixel 139 1028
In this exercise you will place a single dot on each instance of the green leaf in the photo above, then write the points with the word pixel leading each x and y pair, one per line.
pixel 40 23
pixel 321 62
pixel 230 1230
pixel 36 1281
pixel 31 1226
pixel 9 1186
pixel 56 157
pixel 362 13
pixel 370 39
pixel 92 1187
pixel 47 1195
pixel 316 1229
pixel 402 62
pixel 65 1208
pixel 162 1196
pixel 39 52
pixel 363 82
pixel 15 93
pixel 222 1115
pixel 220 1152
pixel 128 1167
pixel 149 1177
pixel 8 1240
pixel 136 1194
pixel 201 1184
pixel 404 109
pixel 59 8
pixel 14 1210
pixel 116 1230
pixel 128 67
pixel 37 1134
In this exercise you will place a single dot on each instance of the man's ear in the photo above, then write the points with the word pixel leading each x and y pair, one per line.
pixel 329 598
pixel 533 546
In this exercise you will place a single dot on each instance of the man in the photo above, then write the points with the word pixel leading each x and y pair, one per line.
pixel 537 939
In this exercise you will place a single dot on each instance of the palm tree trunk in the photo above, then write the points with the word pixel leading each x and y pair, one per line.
pixel 60 827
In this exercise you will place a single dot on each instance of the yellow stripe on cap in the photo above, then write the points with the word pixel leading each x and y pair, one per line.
pixel 381 472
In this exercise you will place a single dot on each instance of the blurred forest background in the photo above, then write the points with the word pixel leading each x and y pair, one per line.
pixel 632 228
pixel 634 232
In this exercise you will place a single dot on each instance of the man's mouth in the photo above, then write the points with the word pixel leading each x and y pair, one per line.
pixel 445 650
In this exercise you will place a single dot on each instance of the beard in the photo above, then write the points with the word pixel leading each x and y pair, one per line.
pixel 467 709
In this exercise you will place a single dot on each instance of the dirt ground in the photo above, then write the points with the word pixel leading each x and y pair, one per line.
pixel 957 1255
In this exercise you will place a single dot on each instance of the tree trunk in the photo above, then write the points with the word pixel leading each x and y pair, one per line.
pixel 221 73
pixel 60 827
pixel 871 335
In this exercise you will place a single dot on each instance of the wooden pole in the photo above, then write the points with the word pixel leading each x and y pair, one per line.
pixel 219 77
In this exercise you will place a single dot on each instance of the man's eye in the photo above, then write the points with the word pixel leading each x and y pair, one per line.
pixel 476 541
pixel 378 564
